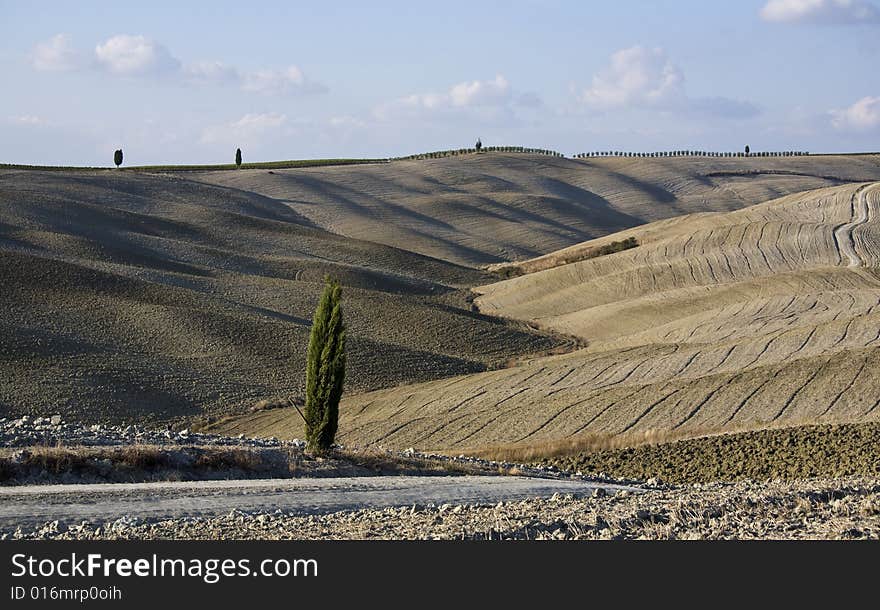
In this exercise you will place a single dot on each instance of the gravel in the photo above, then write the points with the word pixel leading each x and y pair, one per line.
pixel 813 509
pixel 27 431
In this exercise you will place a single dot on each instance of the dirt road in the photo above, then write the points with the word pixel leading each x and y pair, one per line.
pixel 844 233
pixel 71 504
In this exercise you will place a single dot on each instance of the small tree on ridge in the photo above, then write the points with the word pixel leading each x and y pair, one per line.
pixel 238 157
pixel 117 157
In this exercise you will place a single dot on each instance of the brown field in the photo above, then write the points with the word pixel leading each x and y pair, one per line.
pixel 481 209
pixel 765 316
pixel 153 297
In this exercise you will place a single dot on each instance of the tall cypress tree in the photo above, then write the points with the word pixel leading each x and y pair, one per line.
pixel 238 157
pixel 117 157
pixel 325 369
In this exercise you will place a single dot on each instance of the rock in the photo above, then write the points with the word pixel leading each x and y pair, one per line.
pixel 55 420
pixel 654 482
pixel 599 492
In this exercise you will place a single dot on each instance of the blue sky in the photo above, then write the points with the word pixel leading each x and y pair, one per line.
pixel 188 82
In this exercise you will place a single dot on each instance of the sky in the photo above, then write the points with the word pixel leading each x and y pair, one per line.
pixel 189 82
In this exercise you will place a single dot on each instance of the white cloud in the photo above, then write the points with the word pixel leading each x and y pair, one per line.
pixel 246 131
pixel 643 78
pixel 56 54
pixel 494 92
pixel 488 100
pixel 637 76
pixel 864 114
pixel 286 80
pixel 128 55
pixel 821 11
pixel 289 80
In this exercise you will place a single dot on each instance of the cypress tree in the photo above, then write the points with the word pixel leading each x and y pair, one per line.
pixel 238 157
pixel 117 157
pixel 325 369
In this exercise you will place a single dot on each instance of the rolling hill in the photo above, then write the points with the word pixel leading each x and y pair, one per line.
pixel 138 296
pixel 133 297
pixel 481 209
pixel 765 316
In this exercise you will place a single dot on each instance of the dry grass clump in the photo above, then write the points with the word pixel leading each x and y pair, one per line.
pixel 267 404
pixel 566 256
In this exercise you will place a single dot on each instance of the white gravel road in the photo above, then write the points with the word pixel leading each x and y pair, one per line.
pixel 36 504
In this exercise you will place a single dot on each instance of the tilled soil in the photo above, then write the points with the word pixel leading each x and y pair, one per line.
pixel 787 453
pixel 153 297
pixel 811 509
pixel 737 321
pixel 145 298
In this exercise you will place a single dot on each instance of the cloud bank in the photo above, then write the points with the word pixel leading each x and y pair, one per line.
pixel 131 56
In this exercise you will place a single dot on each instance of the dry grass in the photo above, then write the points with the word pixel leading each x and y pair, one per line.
pixel 267 404
pixel 524 453
pixel 386 463
pixel 140 463
pixel 44 464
